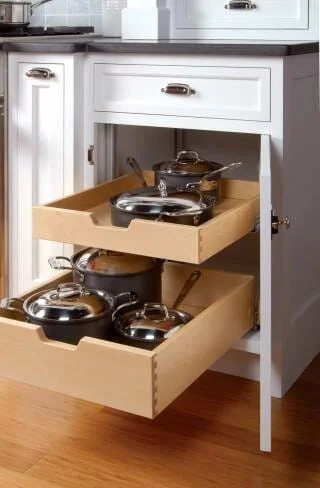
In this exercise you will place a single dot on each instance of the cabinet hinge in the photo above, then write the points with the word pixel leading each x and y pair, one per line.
pixel 276 222
pixel 90 154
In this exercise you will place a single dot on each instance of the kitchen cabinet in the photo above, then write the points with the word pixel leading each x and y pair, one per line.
pixel 43 103
pixel 264 111
pixel 248 19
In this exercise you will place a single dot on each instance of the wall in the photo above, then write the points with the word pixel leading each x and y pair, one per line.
pixel 69 12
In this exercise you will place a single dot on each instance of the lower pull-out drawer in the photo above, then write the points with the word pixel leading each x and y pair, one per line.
pixel 128 378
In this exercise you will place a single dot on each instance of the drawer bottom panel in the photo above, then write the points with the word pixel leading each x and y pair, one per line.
pixel 129 378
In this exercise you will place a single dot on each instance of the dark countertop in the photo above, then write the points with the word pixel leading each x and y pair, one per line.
pixel 198 47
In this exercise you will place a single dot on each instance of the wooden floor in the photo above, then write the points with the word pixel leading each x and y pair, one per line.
pixel 207 438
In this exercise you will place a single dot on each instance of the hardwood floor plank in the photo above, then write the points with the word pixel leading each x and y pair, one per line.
pixel 208 438
pixel 8 479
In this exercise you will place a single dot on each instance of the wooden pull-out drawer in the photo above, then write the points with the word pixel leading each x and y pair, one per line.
pixel 128 378
pixel 84 219
pixel 209 92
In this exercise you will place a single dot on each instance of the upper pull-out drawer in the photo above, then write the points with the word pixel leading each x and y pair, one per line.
pixel 208 91
pixel 241 14
pixel 129 378
pixel 84 218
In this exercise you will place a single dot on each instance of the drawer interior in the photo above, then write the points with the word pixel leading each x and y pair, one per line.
pixel 129 378
pixel 84 219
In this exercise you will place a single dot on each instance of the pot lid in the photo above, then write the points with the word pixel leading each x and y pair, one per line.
pixel 68 302
pixel 112 262
pixel 163 200
pixel 154 323
pixel 187 163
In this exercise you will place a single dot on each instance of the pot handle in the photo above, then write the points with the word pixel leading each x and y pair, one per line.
pixel 9 304
pixel 132 299
pixel 37 4
pixel 154 306
pixel 187 155
pixel 66 290
pixel 54 263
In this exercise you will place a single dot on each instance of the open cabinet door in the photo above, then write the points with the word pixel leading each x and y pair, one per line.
pixel 265 294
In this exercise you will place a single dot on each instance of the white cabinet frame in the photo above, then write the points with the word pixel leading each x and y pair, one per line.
pixel 291 77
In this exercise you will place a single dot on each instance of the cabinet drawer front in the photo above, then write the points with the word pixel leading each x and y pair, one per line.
pixel 220 92
pixel 266 14
pixel 129 378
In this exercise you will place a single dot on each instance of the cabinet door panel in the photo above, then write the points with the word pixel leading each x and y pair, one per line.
pixel 36 146
pixel 267 14
pixel 265 294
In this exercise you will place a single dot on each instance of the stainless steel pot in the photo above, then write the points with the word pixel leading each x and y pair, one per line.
pixel 155 322
pixel 17 14
pixel 176 205
pixel 115 272
pixel 188 169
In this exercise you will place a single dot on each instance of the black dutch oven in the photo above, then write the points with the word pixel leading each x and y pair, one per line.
pixel 115 272
pixel 189 170
pixel 71 312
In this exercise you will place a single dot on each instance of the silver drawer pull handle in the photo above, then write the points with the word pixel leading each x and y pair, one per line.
pixel 178 89
pixel 240 4
pixel 42 73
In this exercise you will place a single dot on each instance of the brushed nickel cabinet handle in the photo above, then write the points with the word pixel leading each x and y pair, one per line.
pixel 240 4
pixel 178 89
pixel 41 73
pixel 91 155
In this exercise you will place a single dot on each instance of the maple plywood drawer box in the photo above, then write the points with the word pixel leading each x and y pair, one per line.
pixel 146 381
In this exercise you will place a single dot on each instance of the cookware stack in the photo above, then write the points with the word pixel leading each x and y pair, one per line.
pixel 185 192
pixel 118 296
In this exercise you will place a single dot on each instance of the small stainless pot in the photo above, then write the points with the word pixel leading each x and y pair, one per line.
pixel 148 327
pixel 155 322
pixel 115 272
pixel 71 312
pixel 17 14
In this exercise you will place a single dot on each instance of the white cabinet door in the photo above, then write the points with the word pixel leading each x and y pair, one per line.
pixel 38 155
pixel 265 294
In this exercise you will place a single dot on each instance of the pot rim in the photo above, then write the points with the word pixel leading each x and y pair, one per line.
pixel 158 263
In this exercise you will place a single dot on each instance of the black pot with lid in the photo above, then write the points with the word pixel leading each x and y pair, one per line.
pixel 189 169
pixel 70 311
pixel 115 272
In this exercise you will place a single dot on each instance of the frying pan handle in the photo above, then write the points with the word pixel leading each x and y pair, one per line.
pixel 189 284
pixel 133 163
pixel 222 170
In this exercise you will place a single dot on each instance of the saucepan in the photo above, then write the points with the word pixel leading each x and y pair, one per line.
pixel 115 272
pixel 180 205
pixel 190 170
pixel 17 14
pixel 154 322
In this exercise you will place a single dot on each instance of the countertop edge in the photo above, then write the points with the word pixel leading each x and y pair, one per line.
pixel 180 48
